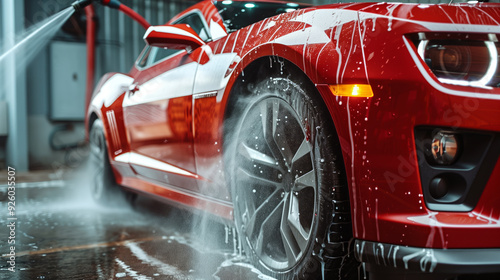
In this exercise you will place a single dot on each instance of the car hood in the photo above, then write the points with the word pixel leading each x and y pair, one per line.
pixel 480 17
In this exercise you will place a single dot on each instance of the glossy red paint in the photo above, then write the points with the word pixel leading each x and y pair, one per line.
pixel 362 43
pixel 218 208
pixel 180 36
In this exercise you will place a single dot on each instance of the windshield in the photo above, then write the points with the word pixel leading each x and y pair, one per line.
pixel 237 15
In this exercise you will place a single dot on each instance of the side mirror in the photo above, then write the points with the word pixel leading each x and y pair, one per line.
pixel 177 36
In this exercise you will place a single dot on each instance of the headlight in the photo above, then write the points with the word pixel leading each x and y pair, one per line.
pixel 461 61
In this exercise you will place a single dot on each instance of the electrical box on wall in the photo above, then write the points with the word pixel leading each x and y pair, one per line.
pixel 4 125
pixel 68 67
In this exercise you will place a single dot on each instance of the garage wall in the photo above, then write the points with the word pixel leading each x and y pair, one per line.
pixel 119 41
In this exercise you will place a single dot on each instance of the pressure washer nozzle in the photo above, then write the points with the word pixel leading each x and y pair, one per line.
pixel 80 4
pixel 115 4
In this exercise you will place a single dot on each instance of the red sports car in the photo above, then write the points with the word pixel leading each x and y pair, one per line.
pixel 337 139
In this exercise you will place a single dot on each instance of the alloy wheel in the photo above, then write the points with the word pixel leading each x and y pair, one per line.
pixel 276 192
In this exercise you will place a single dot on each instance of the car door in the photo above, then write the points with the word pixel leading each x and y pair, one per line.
pixel 158 114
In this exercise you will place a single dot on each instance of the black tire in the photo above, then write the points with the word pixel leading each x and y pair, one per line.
pixel 104 189
pixel 285 155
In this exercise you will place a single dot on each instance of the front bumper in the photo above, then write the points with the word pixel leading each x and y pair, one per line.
pixel 397 260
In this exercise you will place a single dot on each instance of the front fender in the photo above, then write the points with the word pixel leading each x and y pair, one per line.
pixel 106 104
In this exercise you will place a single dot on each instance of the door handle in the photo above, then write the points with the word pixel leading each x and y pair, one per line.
pixel 133 88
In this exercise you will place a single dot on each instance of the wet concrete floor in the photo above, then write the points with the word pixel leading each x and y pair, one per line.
pixel 60 233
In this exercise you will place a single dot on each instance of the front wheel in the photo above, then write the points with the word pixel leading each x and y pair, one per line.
pixel 291 203
pixel 104 189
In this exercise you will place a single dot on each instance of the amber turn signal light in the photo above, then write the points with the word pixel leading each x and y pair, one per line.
pixel 352 90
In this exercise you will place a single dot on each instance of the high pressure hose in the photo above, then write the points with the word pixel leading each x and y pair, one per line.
pixel 90 14
pixel 131 13
pixel 80 4
pixel 115 4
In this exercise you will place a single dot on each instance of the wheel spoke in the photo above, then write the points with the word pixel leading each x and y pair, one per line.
pixel 266 231
pixel 263 211
pixel 292 250
pixel 256 156
pixel 307 180
pixel 284 149
pixel 266 117
pixel 269 112
pixel 255 178
pixel 303 150
pixel 300 235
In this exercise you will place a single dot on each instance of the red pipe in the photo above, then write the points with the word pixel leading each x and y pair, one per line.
pixel 134 15
pixel 90 14
pixel 91 35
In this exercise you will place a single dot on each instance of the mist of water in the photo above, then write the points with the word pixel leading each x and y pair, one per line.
pixel 33 40
pixel 203 229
